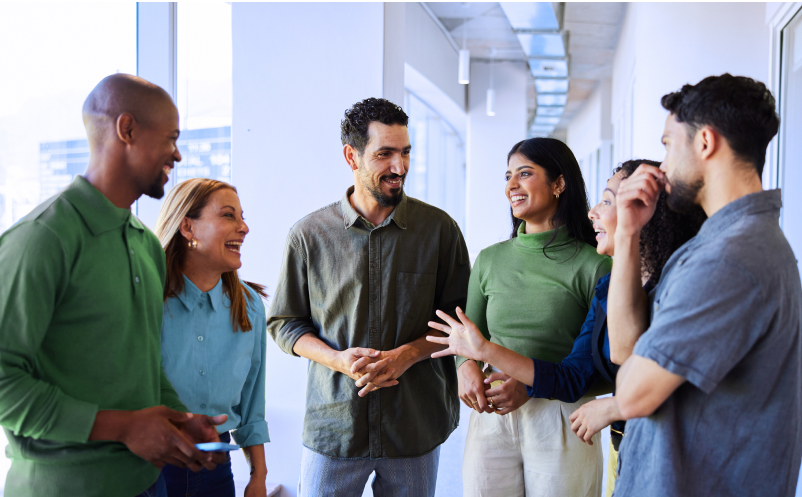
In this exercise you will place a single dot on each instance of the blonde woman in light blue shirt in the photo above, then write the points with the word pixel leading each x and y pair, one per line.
pixel 214 329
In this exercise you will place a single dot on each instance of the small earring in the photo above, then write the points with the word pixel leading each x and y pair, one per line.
pixel 193 244
pixel 557 195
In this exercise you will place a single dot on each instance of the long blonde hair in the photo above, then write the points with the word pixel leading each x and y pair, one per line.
pixel 188 200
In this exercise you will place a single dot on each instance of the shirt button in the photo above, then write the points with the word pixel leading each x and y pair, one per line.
pixel 136 279
pixel 200 305
pixel 202 373
pixel 656 307
pixel 200 338
pixel 203 406
pixel 132 251
pixel 681 262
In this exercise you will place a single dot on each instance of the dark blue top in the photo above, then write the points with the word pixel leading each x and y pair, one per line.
pixel 569 380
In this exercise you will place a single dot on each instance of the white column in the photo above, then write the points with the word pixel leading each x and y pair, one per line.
pixel 489 141
pixel 156 51
pixel 296 69
pixel 394 52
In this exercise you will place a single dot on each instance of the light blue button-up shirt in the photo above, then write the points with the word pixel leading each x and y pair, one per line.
pixel 214 369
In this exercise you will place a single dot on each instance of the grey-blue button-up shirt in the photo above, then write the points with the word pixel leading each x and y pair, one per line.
pixel 726 317
pixel 353 284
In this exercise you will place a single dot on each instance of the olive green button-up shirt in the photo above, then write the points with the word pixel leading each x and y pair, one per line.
pixel 80 320
pixel 353 284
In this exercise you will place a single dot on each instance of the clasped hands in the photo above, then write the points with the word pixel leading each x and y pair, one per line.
pixel 372 369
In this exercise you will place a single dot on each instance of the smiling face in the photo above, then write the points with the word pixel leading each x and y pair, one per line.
pixel 531 194
pixel 155 151
pixel 604 217
pixel 220 231
pixel 383 165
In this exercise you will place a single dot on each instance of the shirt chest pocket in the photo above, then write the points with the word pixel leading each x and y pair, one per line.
pixel 414 295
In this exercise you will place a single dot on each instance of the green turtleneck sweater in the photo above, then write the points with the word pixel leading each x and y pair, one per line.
pixel 530 303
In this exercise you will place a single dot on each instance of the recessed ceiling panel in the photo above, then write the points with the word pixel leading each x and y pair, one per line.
pixel 530 15
pixel 547 120
pixel 549 45
pixel 552 99
pixel 551 85
pixel 550 111
pixel 549 68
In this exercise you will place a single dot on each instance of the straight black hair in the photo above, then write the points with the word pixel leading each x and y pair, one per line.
pixel 557 160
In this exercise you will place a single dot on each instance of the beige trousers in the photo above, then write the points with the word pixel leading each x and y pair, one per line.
pixel 530 452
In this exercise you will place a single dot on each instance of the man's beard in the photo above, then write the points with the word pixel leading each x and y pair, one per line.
pixel 156 188
pixel 682 198
pixel 383 199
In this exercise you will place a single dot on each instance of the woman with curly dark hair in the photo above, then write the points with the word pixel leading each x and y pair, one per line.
pixel 589 361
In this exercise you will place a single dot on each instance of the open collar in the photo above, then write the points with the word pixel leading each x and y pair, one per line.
pixel 350 215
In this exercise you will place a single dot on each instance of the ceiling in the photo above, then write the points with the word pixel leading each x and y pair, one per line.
pixel 530 31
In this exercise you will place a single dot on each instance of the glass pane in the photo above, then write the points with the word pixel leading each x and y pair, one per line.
pixel 549 45
pixel 437 166
pixel 551 85
pixel 546 120
pixel 204 91
pixel 52 52
pixel 553 68
pixel 552 99
pixel 790 130
pixel 550 111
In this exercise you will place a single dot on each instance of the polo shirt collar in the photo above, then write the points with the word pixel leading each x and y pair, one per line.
pixel 767 201
pixel 192 295
pixel 97 211
pixel 350 216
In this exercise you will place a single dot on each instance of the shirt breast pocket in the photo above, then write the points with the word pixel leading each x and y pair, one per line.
pixel 414 295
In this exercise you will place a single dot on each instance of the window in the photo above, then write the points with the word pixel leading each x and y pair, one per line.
pixel 55 62
pixel 52 59
pixel 437 166
pixel 204 91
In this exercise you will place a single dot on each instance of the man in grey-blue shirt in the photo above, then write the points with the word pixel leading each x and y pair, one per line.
pixel 716 380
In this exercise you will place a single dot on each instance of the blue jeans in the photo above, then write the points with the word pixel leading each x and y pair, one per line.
pixel 186 483
pixel 158 489
pixel 323 476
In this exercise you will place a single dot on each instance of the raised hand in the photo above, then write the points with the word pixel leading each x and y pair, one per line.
pixel 637 198
pixel 592 417
pixel 464 337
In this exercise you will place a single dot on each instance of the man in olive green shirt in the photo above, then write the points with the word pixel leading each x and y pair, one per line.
pixel 84 400
pixel 359 282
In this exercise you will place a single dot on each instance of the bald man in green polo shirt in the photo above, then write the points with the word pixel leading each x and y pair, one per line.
pixel 84 400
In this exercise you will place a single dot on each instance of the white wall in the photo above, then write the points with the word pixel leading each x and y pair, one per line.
pixel 431 54
pixel 297 68
pixel 666 45
pixel 489 141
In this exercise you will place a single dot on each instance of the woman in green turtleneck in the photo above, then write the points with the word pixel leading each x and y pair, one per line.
pixel 531 294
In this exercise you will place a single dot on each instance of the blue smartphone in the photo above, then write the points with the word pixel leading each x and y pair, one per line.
pixel 216 447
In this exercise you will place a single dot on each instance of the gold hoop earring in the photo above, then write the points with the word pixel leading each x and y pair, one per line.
pixel 193 244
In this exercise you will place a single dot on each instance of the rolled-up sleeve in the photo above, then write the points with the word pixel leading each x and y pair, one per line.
pixel 290 315
pixel 35 271
pixel 253 427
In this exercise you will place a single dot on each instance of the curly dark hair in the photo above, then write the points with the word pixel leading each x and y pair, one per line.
pixel 354 126
pixel 740 108
pixel 572 208
pixel 665 232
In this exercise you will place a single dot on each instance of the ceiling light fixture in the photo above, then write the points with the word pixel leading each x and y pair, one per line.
pixel 464 76
pixel 491 91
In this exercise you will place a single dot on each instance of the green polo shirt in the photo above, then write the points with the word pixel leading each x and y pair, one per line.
pixel 80 320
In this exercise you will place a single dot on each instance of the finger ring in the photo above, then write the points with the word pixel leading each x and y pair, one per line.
pixel 490 401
